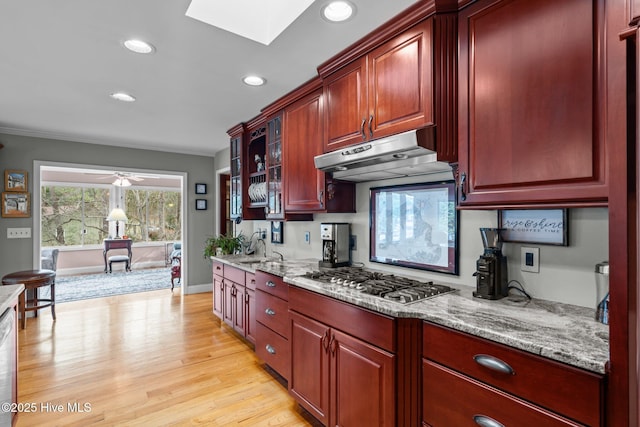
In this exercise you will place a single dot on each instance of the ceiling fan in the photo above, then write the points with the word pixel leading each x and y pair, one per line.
pixel 123 179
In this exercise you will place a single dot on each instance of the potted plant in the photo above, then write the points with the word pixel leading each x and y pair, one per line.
pixel 227 244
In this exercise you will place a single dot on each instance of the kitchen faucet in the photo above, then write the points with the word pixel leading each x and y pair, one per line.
pixel 279 254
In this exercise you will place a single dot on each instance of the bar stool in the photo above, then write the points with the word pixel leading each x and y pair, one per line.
pixel 32 280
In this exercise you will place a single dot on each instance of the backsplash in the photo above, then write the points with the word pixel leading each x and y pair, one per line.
pixel 566 272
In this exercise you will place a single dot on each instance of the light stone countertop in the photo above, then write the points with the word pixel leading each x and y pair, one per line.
pixel 9 293
pixel 561 332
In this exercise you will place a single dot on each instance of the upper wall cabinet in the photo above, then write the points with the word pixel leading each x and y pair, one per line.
pixel 531 119
pixel 248 172
pixel 307 189
pixel 385 92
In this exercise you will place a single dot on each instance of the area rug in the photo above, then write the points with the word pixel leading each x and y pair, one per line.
pixel 87 286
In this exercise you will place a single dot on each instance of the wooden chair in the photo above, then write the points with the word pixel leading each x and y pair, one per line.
pixel 176 264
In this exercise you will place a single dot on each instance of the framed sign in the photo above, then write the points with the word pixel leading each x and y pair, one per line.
pixel 415 226
pixel 201 188
pixel 542 226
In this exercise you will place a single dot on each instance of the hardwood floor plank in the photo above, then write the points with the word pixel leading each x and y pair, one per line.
pixel 149 359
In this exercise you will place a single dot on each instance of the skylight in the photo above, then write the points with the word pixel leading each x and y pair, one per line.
pixel 258 20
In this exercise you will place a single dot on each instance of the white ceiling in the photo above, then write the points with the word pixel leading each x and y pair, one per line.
pixel 60 60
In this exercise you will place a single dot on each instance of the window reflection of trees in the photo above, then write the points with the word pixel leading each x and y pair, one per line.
pixel 76 216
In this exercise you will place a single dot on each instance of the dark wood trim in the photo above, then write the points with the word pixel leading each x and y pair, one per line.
pixel 445 77
pixel 409 368
pixel 303 90
pixel 622 396
pixel 236 130
pixel 396 25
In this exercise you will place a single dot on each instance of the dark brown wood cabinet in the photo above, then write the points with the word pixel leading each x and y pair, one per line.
pixel 502 384
pixel 272 321
pixel 247 140
pixel 332 371
pixel 389 90
pixel 234 299
pixel 308 189
pixel 218 289
pixel 532 92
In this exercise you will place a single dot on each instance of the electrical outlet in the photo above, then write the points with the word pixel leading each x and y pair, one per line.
pixel 353 242
pixel 262 233
pixel 19 233
pixel 307 237
pixel 530 259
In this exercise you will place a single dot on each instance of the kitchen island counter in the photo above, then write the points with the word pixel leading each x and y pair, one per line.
pixel 9 296
pixel 557 331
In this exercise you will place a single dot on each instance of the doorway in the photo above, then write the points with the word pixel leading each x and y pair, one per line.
pixel 73 207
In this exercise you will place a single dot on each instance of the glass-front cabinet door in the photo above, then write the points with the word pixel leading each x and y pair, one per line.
pixel 274 165
pixel 236 178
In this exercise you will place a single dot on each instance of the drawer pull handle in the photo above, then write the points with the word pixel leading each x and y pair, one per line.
pixel 270 312
pixel 270 349
pixel 494 364
pixel 271 284
pixel 484 421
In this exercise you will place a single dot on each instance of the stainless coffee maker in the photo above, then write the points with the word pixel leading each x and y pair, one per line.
pixel 335 244
pixel 491 267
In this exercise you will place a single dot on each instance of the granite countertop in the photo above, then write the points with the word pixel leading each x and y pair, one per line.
pixel 562 332
pixel 9 293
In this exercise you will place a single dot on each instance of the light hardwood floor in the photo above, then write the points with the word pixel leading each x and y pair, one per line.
pixel 148 359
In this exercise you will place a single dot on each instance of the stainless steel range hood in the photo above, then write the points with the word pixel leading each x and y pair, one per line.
pixel 407 154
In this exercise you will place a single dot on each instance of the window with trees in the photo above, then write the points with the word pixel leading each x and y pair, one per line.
pixel 76 215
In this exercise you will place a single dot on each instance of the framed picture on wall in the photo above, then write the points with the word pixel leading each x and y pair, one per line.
pixel 201 188
pixel 15 180
pixel 277 235
pixel 15 205
pixel 201 204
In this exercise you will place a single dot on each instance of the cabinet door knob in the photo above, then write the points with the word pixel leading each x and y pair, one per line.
pixel 270 312
pixel 484 421
pixel 494 364
pixel 364 136
pixel 271 284
pixel 270 349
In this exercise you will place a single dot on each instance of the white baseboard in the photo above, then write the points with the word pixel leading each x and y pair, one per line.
pixel 198 289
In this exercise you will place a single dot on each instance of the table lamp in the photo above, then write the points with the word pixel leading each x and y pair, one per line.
pixel 116 215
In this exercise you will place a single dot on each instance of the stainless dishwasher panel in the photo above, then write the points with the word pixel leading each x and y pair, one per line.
pixel 7 362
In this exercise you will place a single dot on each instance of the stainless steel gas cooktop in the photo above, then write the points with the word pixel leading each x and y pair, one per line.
pixel 389 286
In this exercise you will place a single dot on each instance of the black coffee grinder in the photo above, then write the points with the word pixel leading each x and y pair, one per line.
pixel 491 267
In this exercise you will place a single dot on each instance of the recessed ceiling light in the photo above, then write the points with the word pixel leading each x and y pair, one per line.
pixel 138 46
pixel 254 80
pixel 338 11
pixel 121 96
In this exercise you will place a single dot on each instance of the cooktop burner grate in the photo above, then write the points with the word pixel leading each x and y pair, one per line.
pixel 394 288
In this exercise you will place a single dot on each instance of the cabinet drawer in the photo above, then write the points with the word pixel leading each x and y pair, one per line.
pixel 250 280
pixel 272 312
pixel 572 392
pixel 371 327
pixel 451 399
pixel 234 274
pixel 273 285
pixel 273 349
pixel 218 268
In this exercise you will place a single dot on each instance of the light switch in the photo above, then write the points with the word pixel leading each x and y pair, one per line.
pixel 19 233
pixel 530 259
